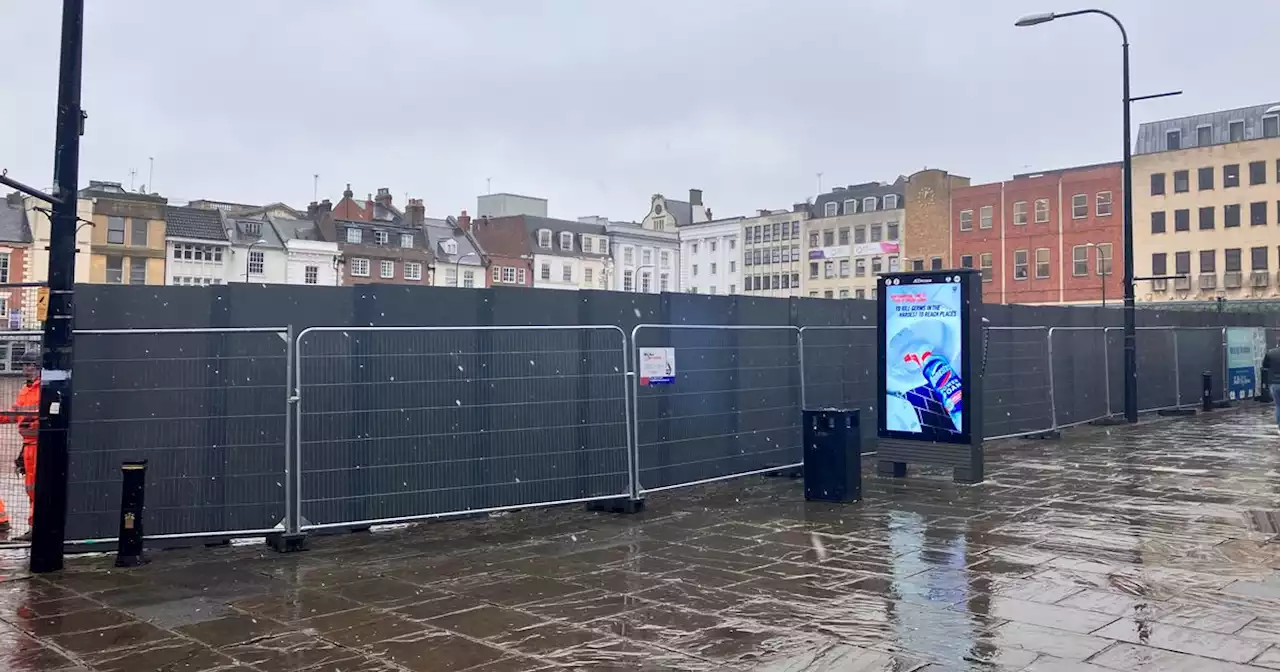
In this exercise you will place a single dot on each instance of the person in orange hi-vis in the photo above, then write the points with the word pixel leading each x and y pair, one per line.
pixel 26 414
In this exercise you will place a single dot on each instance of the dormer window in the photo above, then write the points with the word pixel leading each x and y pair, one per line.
pixel 890 201
pixel 406 240
pixel 869 204
pixel 252 228
pixel 449 246
pixel 850 206
pixel 380 237
pixel 354 235
pixel 544 239
pixel 566 241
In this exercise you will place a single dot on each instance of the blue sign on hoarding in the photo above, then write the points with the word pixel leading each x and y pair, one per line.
pixel 1242 381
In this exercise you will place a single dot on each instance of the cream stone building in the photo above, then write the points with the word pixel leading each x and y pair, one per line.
pixel 1207 206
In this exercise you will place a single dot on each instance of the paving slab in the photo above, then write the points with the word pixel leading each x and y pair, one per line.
pixel 1123 548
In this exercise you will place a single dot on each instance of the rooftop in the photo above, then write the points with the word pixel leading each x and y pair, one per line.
pixel 197 223
pixel 1219 128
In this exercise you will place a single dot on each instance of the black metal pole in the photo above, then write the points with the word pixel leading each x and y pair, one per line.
pixel 50 515
pixel 1130 318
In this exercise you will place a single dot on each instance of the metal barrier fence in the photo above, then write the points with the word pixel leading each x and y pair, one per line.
pixel 403 423
pixel 406 423
pixel 1078 374
pixel 16 506
pixel 733 410
pixel 1018 383
pixel 207 409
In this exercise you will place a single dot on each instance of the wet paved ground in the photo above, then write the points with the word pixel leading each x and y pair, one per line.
pixel 1137 549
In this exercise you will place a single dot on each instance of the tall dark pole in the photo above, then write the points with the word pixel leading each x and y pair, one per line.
pixel 1130 330
pixel 50 515
pixel 1130 319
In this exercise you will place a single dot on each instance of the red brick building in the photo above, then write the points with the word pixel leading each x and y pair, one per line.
pixel 1050 237
pixel 379 242
pixel 506 247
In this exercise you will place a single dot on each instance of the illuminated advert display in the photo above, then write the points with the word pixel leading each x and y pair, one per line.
pixel 924 371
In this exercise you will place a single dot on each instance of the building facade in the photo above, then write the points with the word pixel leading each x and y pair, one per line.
pixel 926 227
pixel 197 247
pixel 309 259
pixel 1042 238
pixel 643 259
pixel 379 244
pixel 853 237
pixel 505 244
pixel 772 252
pixel 1206 206
pixel 37 267
pixel 17 308
pixel 128 241
pixel 568 255
pixel 711 253
pixel 510 205
pixel 456 258
pixel 669 214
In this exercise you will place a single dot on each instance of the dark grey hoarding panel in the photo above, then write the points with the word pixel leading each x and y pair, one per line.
pixel 405 423
pixel 206 410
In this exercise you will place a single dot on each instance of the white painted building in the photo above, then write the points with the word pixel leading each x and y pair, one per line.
pixel 568 255
pixel 711 257
pixel 257 253
pixel 454 257
pixel 308 259
pixel 197 250
pixel 644 260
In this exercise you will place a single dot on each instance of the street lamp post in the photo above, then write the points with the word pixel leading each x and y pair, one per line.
pixel 639 268
pixel 1130 321
pixel 457 266
pixel 248 255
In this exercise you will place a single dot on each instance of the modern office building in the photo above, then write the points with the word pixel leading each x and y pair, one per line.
pixel 853 237
pixel 773 252
pixel 1207 206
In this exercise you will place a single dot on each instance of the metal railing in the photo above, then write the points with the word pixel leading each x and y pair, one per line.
pixel 733 410
pixel 250 432
pixel 207 408
pixel 407 423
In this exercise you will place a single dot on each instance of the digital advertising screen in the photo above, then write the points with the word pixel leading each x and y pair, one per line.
pixel 925 322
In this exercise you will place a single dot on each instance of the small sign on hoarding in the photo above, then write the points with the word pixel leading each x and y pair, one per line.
pixel 657 366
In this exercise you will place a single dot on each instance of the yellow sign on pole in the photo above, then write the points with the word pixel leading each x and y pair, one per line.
pixel 42 304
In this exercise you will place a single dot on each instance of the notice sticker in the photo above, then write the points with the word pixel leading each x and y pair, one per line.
pixel 657 366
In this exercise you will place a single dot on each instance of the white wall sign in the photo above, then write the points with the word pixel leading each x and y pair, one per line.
pixel 657 366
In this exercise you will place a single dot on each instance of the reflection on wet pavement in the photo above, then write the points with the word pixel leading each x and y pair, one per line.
pixel 1137 549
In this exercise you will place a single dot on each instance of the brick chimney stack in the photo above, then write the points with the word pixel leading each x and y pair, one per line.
pixel 415 212
pixel 464 222
pixel 384 197
pixel 317 211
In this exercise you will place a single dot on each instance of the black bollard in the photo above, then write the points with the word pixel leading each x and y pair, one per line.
pixel 1206 394
pixel 133 487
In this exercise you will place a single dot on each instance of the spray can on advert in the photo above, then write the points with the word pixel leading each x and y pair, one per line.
pixel 946 382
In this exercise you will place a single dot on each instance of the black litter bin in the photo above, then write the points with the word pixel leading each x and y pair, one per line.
pixel 832 455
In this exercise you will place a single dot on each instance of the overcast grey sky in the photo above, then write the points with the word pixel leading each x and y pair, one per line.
pixel 596 104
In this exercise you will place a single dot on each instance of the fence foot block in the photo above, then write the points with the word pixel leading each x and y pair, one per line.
pixel 891 469
pixel 287 543
pixel 966 476
pixel 1109 421
pixel 1176 412
pixel 620 505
